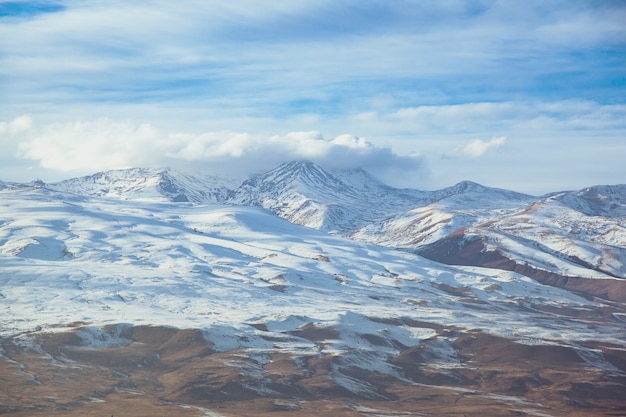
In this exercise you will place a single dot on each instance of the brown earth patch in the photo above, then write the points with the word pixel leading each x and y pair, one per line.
pixel 457 291
pixel 316 333
pixel 161 371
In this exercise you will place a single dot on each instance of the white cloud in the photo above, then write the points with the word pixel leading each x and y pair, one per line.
pixel 84 147
pixel 17 125
pixel 475 148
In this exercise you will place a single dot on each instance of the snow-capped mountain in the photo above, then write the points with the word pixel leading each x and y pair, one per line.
pixel 306 194
pixel 114 295
pixel 148 184
pixel 602 200
pixel 460 206
pixel 561 239
pixel 466 224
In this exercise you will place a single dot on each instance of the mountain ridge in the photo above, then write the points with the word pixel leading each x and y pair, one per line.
pixel 304 193
pixel 568 234
pixel 164 184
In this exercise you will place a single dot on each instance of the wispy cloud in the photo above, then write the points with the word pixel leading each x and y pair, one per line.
pixel 524 117
pixel 475 148
pixel 333 55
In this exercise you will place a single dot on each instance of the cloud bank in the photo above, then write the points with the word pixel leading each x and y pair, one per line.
pixel 85 147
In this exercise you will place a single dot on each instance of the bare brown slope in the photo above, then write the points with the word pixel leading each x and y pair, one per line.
pixel 165 371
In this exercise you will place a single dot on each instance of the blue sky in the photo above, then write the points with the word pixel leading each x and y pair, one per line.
pixel 529 95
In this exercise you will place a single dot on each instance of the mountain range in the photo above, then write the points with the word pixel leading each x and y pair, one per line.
pixel 308 291
pixel 559 239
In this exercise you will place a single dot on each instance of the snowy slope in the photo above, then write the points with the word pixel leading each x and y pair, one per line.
pixel 570 234
pixel 148 184
pixel 306 194
pixel 579 244
pixel 65 258
pixel 260 289
pixel 463 205
pixel 576 234
pixel 601 200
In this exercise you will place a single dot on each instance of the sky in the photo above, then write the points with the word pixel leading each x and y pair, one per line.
pixel 528 96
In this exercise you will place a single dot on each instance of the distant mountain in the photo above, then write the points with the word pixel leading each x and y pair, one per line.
pixel 462 205
pixel 340 201
pixel 601 200
pixel 563 239
pixel 148 184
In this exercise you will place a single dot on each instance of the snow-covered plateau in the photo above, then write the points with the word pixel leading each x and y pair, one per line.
pixel 300 269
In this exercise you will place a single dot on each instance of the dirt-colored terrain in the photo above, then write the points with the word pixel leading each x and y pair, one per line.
pixel 170 372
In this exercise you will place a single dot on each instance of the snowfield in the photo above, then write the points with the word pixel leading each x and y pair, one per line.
pixel 279 290
pixel 66 258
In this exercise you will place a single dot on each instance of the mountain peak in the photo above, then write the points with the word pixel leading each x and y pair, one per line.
pixel 158 184
pixel 301 170
pixel 301 165
pixel 599 200
pixel 171 286
pixel 304 176
pixel 339 200
pixel 468 186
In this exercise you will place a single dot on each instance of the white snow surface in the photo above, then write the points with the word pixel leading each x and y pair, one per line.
pixel 577 234
pixel 66 258
pixel 337 201
pixel 162 184
pixel 556 237
pixel 574 233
